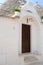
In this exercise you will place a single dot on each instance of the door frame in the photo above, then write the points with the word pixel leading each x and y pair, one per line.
pixel 20 38
pixel 30 38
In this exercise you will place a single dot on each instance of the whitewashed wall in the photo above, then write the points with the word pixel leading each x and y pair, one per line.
pixel 41 38
pixel 9 39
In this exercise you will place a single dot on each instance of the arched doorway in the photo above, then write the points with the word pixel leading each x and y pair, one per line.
pixel 29 37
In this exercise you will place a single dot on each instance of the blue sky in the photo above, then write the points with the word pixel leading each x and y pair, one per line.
pixel 1 1
pixel 33 1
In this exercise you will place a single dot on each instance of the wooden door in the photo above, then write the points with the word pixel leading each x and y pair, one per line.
pixel 25 38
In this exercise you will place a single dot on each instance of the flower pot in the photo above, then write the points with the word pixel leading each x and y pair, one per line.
pixel 17 13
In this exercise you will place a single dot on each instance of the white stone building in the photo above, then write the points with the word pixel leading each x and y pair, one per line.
pixel 11 36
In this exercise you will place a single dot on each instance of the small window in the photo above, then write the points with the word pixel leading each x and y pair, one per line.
pixel 29 11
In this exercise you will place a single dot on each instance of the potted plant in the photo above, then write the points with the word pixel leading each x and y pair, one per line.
pixel 16 11
pixel 41 17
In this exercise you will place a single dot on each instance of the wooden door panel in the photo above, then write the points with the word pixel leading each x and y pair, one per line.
pixel 25 38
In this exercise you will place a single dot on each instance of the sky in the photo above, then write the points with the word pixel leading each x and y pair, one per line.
pixel 33 1
pixel 40 2
pixel 1 1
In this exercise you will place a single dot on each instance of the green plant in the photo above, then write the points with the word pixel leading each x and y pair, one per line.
pixel 41 17
pixel 16 9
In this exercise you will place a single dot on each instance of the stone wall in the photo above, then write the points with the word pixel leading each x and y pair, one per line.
pixel 6 7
